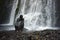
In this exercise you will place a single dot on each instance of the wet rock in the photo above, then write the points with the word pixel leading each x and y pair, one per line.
pixel 39 35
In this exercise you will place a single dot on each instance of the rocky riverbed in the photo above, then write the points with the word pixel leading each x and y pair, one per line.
pixel 37 35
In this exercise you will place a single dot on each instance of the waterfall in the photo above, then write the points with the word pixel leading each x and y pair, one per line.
pixel 13 12
pixel 38 14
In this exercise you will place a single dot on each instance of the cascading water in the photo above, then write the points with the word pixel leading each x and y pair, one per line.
pixel 38 14
pixel 13 11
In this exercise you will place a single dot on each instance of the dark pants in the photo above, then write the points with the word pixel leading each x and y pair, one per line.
pixel 16 28
pixel 20 28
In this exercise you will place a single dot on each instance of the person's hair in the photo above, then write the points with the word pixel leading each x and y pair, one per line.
pixel 21 16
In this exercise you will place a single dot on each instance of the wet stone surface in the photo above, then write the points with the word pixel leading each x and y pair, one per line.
pixel 38 35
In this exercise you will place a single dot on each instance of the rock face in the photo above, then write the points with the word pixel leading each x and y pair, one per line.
pixel 57 4
pixel 39 35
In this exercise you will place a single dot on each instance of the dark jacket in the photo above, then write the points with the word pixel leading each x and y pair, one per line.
pixel 19 24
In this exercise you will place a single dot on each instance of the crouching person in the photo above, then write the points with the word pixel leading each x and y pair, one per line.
pixel 19 24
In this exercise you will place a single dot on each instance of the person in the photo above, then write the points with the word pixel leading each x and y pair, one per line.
pixel 20 23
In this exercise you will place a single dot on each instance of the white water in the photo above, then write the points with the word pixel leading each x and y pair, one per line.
pixel 38 14
pixel 13 12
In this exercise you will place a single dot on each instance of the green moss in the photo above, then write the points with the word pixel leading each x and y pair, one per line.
pixel 1 2
pixel 18 6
